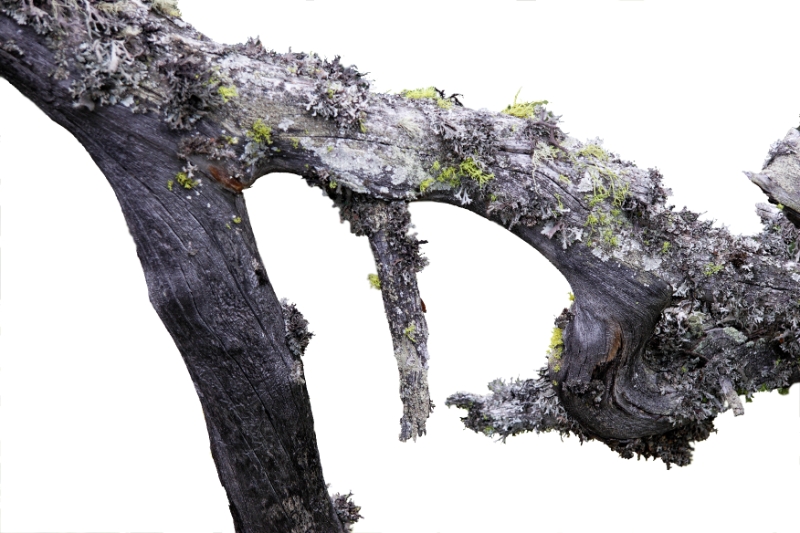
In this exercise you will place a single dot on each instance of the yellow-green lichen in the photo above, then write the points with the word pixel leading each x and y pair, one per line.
pixel 712 268
pixel 466 169
pixel 523 109
pixel 237 220
pixel 425 184
pixel 170 183
pixel 427 93
pixel 374 281
pixel 333 184
pixel 184 180
pixel 295 142
pixel 665 247
pixel 409 332
pixel 260 132
pixel 555 349
pixel 593 150
pixel 227 92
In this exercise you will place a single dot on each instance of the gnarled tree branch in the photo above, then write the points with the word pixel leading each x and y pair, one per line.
pixel 673 319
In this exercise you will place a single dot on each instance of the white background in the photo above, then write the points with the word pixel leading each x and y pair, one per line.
pixel 100 426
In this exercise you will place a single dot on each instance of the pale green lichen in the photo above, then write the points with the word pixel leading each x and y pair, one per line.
pixel 523 109
pixel 428 93
pixel 374 281
pixel 737 336
pixel 260 132
pixel 167 7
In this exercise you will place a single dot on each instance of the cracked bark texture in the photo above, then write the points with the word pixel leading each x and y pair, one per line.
pixel 673 319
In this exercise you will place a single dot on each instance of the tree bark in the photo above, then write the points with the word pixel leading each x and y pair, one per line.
pixel 672 321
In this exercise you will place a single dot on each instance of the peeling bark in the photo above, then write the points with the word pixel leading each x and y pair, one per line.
pixel 673 319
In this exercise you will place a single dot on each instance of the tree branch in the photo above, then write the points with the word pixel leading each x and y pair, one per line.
pixel 672 318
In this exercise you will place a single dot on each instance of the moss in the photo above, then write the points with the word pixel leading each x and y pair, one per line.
pixel 409 332
pixel 425 184
pixel 260 132
pixel 783 391
pixel 523 109
pixel 333 184
pixel 374 281
pixel 230 140
pixel 665 247
pixel 428 93
pixel 571 297
pixel 237 220
pixel 227 92
pixel 170 183
pixel 295 142
pixel 593 150
pixel 185 181
pixel 711 268
pixel 228 225
pixel 493 197
pixel 564 179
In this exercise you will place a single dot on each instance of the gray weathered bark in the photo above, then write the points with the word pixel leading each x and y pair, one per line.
pixel 672 319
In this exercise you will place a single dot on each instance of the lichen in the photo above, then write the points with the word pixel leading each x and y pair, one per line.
pixel 712 268
pixel 425 184
pixel 260 132
pixel 427 93
pixel 452 175
pixel 227 92
pixel 184 181
pixel 166 7
pixel 593 150
pixel 524 109
pixel 555 349
pixel 409 332
pixel 374 281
